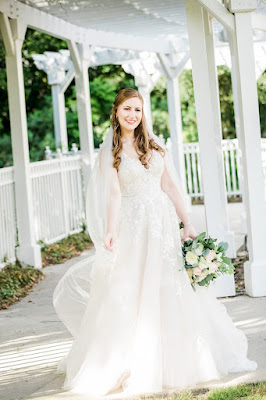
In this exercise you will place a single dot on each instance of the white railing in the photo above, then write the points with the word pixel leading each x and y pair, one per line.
pixel 57 199
pixel 8 223
pixel 231 155
pixel 58 195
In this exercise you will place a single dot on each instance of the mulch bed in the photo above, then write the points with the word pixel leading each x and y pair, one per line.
pixel 230 199
pixel 242 257
pixel 16 282
pixel 65 249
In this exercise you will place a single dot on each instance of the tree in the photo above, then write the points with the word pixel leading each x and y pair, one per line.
pixel 105 82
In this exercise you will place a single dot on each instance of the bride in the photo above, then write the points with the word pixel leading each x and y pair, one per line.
pixel 138 325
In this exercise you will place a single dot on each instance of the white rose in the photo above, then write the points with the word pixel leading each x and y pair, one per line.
pixel 199 249
pixel 202 264
pixel 207 263
pixel 191 258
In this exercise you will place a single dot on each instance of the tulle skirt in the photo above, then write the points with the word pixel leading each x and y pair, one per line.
pixel 138 325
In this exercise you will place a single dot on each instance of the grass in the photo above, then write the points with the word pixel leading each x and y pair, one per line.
pixel 245 391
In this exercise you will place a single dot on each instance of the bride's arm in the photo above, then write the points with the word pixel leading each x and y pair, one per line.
pixel 171 190
pixel 113 210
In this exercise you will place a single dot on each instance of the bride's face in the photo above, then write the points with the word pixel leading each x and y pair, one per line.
pixel 129 113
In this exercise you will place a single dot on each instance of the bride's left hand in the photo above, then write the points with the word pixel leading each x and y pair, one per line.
pixel 188 232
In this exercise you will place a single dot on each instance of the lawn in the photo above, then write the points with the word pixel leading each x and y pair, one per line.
pixel 251 391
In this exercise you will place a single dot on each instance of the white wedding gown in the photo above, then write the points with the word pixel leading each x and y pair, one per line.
pixel 138 326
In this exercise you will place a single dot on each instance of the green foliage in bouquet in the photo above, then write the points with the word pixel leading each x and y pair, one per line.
pixel 205 260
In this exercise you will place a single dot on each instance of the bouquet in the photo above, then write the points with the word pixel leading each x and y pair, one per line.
pixel 205 260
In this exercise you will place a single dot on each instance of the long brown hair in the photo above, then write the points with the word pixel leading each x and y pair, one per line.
pixel 143 143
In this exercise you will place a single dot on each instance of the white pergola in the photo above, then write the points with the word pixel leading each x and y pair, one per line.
pixel 173 31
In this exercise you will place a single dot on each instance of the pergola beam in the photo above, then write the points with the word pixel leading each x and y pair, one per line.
pixel 74 53
pixel 219 12
pixel 171 71
pixel 47 23
pixel 68 79
pixel 6 33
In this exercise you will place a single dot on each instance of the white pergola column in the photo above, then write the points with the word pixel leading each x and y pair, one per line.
pixel 60 126
pixel 250 142
pixel 171 73
pixel 146 94
pixel 146 77
pixel 80 58
pixel 210 135
pixel 13 32
pixel 176 133
pixel 56 65
pixel 229 61
pixel 239 137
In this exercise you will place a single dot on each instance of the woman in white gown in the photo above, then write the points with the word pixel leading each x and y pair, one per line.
pixel 137 324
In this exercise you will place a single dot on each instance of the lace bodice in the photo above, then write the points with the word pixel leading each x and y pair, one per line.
pixel 135 179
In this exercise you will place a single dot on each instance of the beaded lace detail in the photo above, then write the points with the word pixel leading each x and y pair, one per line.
pixel 144 203
pixel 135 179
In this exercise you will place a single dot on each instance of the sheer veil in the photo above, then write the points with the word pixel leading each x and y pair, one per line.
pixel 74 289
pixel 99 186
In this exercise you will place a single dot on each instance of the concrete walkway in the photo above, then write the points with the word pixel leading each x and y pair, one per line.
pixel 32 338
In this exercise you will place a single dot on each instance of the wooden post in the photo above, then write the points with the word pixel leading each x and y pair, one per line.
pixel 176 134
pixel 145 93
pixel 250 143
pixel 145 80
pixel 59 112
pixel 13 33
pixel 80 58
pixel 210 136
pixel 171 71
pixel 81 66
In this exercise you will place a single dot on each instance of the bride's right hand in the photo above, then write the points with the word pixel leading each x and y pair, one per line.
pixel 108 241
pixel 188 232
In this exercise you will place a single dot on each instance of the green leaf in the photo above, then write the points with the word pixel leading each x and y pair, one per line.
pixel 201 236
pixel 194 244
pixel 205 252
pixel 227 260
pixel 222 246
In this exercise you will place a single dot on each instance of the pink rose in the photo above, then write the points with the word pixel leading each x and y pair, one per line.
pixel 203 275
pixel 197 271
pixel 210 256
pixel 213 267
